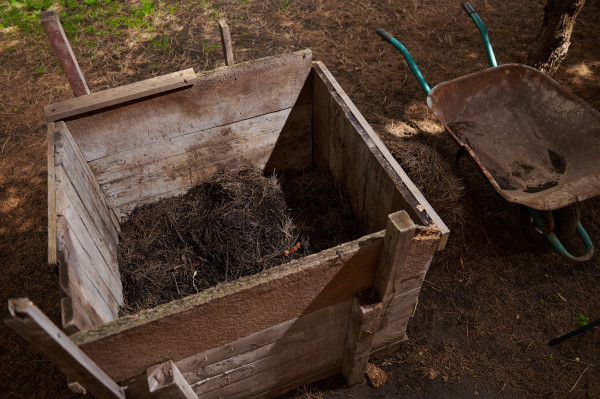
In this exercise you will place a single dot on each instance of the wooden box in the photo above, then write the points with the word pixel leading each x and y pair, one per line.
pixel 260 335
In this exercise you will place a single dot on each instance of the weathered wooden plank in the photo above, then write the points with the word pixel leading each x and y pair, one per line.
pixel 401 307
pixel 79 278
pixel 52 255
pixel 266 343
pixel 417 197
pixel 396 245
pixel 137 161
pixel 29 322
pixel 393 334
pixel 166 382
pixel 75 317
pixel 320 118
pixel 271 365
pixel 105 266
pixel 68 156
pixel 170 166
pixel 425 242
pixel 292 371
pixel 119 95
pixel 282 388
pixel 220 97
pixel 162 187
pixel 226 42
pixel 364 320
pixel 410 283
pixel 233 310
pixel 64 53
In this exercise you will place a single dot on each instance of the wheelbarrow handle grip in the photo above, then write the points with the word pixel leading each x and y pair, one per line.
pixel 467 7
pixel 386 36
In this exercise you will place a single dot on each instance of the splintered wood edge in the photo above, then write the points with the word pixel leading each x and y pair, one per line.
pixel 428 209
pixel 220 291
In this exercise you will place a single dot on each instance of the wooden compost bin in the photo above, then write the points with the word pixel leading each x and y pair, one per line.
pixel 260 335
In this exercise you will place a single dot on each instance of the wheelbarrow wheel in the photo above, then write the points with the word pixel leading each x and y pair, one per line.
pixel 565 226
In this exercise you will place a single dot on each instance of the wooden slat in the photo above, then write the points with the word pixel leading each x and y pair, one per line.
pixel 273 365
pixel 233 310
pixel 119 95
pixel 428 211
pixel 52 255
pixel 64 53
pixel 394 334
pixel 396 245
pixel 105 268
pixel 217 98
pixel 266 343
pixel 79 278
pixel 77 317
pixel 166 382
pixel 364 320
pixel 68 156
pixel 226 42
pixel 425 242
pixel 320 121
pixel 29 322
pixel 173 166
pixel 306 378
pixel 293 371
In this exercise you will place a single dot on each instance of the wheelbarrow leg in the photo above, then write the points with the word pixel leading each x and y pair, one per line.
pixel 546 226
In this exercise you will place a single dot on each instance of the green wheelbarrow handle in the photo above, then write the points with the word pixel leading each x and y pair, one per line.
pixel 483 32
pixel 587 242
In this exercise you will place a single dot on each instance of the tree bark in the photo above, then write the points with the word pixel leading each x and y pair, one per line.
pixel 553 41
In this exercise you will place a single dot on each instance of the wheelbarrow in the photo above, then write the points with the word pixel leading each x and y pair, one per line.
pixel 536 142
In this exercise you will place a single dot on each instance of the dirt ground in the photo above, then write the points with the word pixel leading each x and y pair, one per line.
pixel 491 300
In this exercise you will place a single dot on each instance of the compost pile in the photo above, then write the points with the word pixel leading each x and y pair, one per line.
pixel 237 224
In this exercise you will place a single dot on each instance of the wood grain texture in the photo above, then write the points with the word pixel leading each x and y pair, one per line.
pixel 64 53
pixel 119 95
pixel 233 310
pixel 266 343
pixel 52 255
pixel 410 191
pixel 226 42
pixel 29 322
pixel 166 382
pixel 217 98
pixel 396 246
pixel 364 321
pixel 86 239
pixel 274 142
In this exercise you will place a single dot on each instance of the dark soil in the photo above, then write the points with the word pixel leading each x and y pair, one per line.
pixel 490 302
pixel 236 224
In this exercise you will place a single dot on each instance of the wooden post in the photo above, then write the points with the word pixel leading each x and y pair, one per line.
pixel 62 49
pixel 226 42
pixel 33 325
pixel 166 382
pixel 364 321
pixel 396 245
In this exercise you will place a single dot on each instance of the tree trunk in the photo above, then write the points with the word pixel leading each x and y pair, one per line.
pixel 553 42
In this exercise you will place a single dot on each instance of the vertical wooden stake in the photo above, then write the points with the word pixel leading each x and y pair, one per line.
pixel 226 42
pixel 363 324
pixel 396 244
pixel 63 51
pixel 166 382
pixel 33 325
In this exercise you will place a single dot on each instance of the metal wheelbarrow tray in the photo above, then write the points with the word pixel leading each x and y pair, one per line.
pixel 536 142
